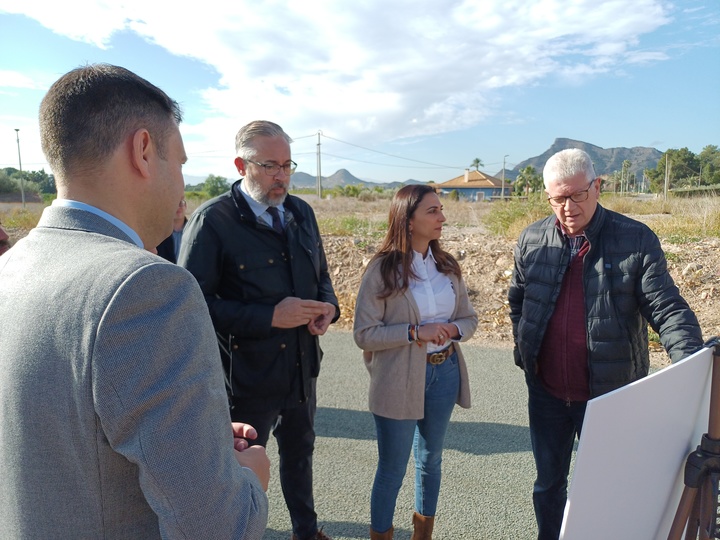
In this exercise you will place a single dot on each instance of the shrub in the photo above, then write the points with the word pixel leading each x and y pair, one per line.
pixel 509 218
pixel 7 185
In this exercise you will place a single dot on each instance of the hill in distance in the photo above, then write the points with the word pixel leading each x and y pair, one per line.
pixel 340 178
pixel 606 161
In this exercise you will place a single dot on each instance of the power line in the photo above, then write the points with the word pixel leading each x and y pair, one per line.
pixel 392 155
pixel 207 153
pixel 384 164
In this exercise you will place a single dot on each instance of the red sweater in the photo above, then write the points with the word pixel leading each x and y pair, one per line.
pixel 563 357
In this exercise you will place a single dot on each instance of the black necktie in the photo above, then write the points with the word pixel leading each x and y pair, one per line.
pixel 276 223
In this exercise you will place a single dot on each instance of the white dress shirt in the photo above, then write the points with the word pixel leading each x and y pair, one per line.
pixel 433 292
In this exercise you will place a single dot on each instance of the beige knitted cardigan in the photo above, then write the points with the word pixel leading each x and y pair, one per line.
pixel 397 368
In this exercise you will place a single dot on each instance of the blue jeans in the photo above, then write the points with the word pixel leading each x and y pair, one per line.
pixel 554 423
pixel 425 437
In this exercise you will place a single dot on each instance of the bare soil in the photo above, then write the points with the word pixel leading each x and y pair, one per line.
pixel 487 262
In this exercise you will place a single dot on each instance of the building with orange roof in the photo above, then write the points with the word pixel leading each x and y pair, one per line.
pixel 476 186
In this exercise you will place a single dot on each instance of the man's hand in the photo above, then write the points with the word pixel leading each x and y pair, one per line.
pixel 319 325
pixel 242 432
pixel 255 458
pixel 292 312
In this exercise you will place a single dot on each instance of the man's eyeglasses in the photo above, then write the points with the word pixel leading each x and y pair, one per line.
pixel 580 196
pixel 271 169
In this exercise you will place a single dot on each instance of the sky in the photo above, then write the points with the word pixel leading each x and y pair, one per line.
pixel 390 89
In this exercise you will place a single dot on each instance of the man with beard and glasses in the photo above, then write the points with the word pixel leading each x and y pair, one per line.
pixel 257 253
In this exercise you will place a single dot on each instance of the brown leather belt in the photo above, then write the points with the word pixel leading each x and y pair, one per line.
pixel 439 357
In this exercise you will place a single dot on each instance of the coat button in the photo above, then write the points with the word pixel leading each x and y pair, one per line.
pixel 282 345
pixel 242 267
pixel 235 347
pixel 271 261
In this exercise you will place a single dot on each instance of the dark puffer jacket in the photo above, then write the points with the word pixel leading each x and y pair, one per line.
pixel 626 283
pixel 245 268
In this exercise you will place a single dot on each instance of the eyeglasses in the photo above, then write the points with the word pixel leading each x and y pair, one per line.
pixel 271 169
pixel 580 196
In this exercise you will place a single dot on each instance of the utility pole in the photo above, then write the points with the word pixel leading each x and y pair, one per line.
pixel 319 175
pixel 22 179
pixel 502 193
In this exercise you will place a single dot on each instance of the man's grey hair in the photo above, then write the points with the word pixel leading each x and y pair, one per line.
pixel 258 128
pixel 566 164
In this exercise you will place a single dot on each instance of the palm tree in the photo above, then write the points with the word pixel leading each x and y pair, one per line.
pixel 477 163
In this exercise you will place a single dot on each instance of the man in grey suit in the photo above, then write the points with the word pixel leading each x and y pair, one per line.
pixel 114 414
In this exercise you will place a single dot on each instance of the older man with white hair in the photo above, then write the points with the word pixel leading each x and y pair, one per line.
pixel 587 281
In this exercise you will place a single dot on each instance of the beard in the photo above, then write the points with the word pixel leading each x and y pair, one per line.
pixel 256 192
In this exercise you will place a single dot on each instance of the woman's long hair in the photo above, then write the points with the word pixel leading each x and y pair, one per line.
pixel 396 252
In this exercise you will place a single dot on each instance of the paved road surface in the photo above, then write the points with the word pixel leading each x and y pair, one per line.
pixel 487 468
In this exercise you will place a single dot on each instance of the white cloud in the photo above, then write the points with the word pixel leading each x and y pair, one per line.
pixel 15 79
pixel 373 70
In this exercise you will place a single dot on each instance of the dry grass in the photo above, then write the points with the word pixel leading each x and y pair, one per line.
pixel 14 216
pixel 348 216
pixel 675 220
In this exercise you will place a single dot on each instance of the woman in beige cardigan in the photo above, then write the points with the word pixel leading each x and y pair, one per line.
pixel 412 310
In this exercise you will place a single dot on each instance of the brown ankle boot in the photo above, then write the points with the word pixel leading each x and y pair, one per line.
pixel 422 527
pixel 387 535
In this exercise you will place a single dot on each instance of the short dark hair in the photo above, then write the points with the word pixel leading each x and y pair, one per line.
pixel 88 112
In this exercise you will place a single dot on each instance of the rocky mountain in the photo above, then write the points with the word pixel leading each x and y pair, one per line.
pixel 606 160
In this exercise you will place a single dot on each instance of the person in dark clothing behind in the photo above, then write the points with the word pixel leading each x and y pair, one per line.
pixel 586 283
pixel 257 253
pixel 169 249
pixel 4 241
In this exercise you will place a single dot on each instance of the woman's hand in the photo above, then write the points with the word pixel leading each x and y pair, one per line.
pixel 438 333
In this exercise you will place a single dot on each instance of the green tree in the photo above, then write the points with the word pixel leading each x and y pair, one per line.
pixel 624 184
pixel 45 182
pixel 215 185
pixel 684 170
pixel 7 185
pixel 528 181
pixel 709 160
pixel 352 190
pixel 454 195
pixel 477 163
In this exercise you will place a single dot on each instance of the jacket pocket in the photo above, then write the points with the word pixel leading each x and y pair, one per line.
pixel 260 272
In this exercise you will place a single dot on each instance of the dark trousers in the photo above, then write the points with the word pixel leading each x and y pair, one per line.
pixel 553 426
pixel 294 430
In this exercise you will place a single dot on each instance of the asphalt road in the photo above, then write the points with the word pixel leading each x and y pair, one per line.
pixel 488 470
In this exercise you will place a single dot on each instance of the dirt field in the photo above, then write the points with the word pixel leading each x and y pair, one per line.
pixel 486 261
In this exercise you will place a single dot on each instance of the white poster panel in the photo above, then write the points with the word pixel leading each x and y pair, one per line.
pixel 628 475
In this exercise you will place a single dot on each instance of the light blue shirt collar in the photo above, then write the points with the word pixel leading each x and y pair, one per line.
pixel 260 209
pixel 67 203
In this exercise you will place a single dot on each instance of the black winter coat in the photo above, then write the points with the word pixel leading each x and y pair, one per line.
pixel 245 268
pixel 626 283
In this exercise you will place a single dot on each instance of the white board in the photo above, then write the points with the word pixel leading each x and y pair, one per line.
pixel 628 475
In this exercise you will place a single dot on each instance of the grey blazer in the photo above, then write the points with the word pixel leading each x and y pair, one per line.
pixel 113 416
pixel 397 367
